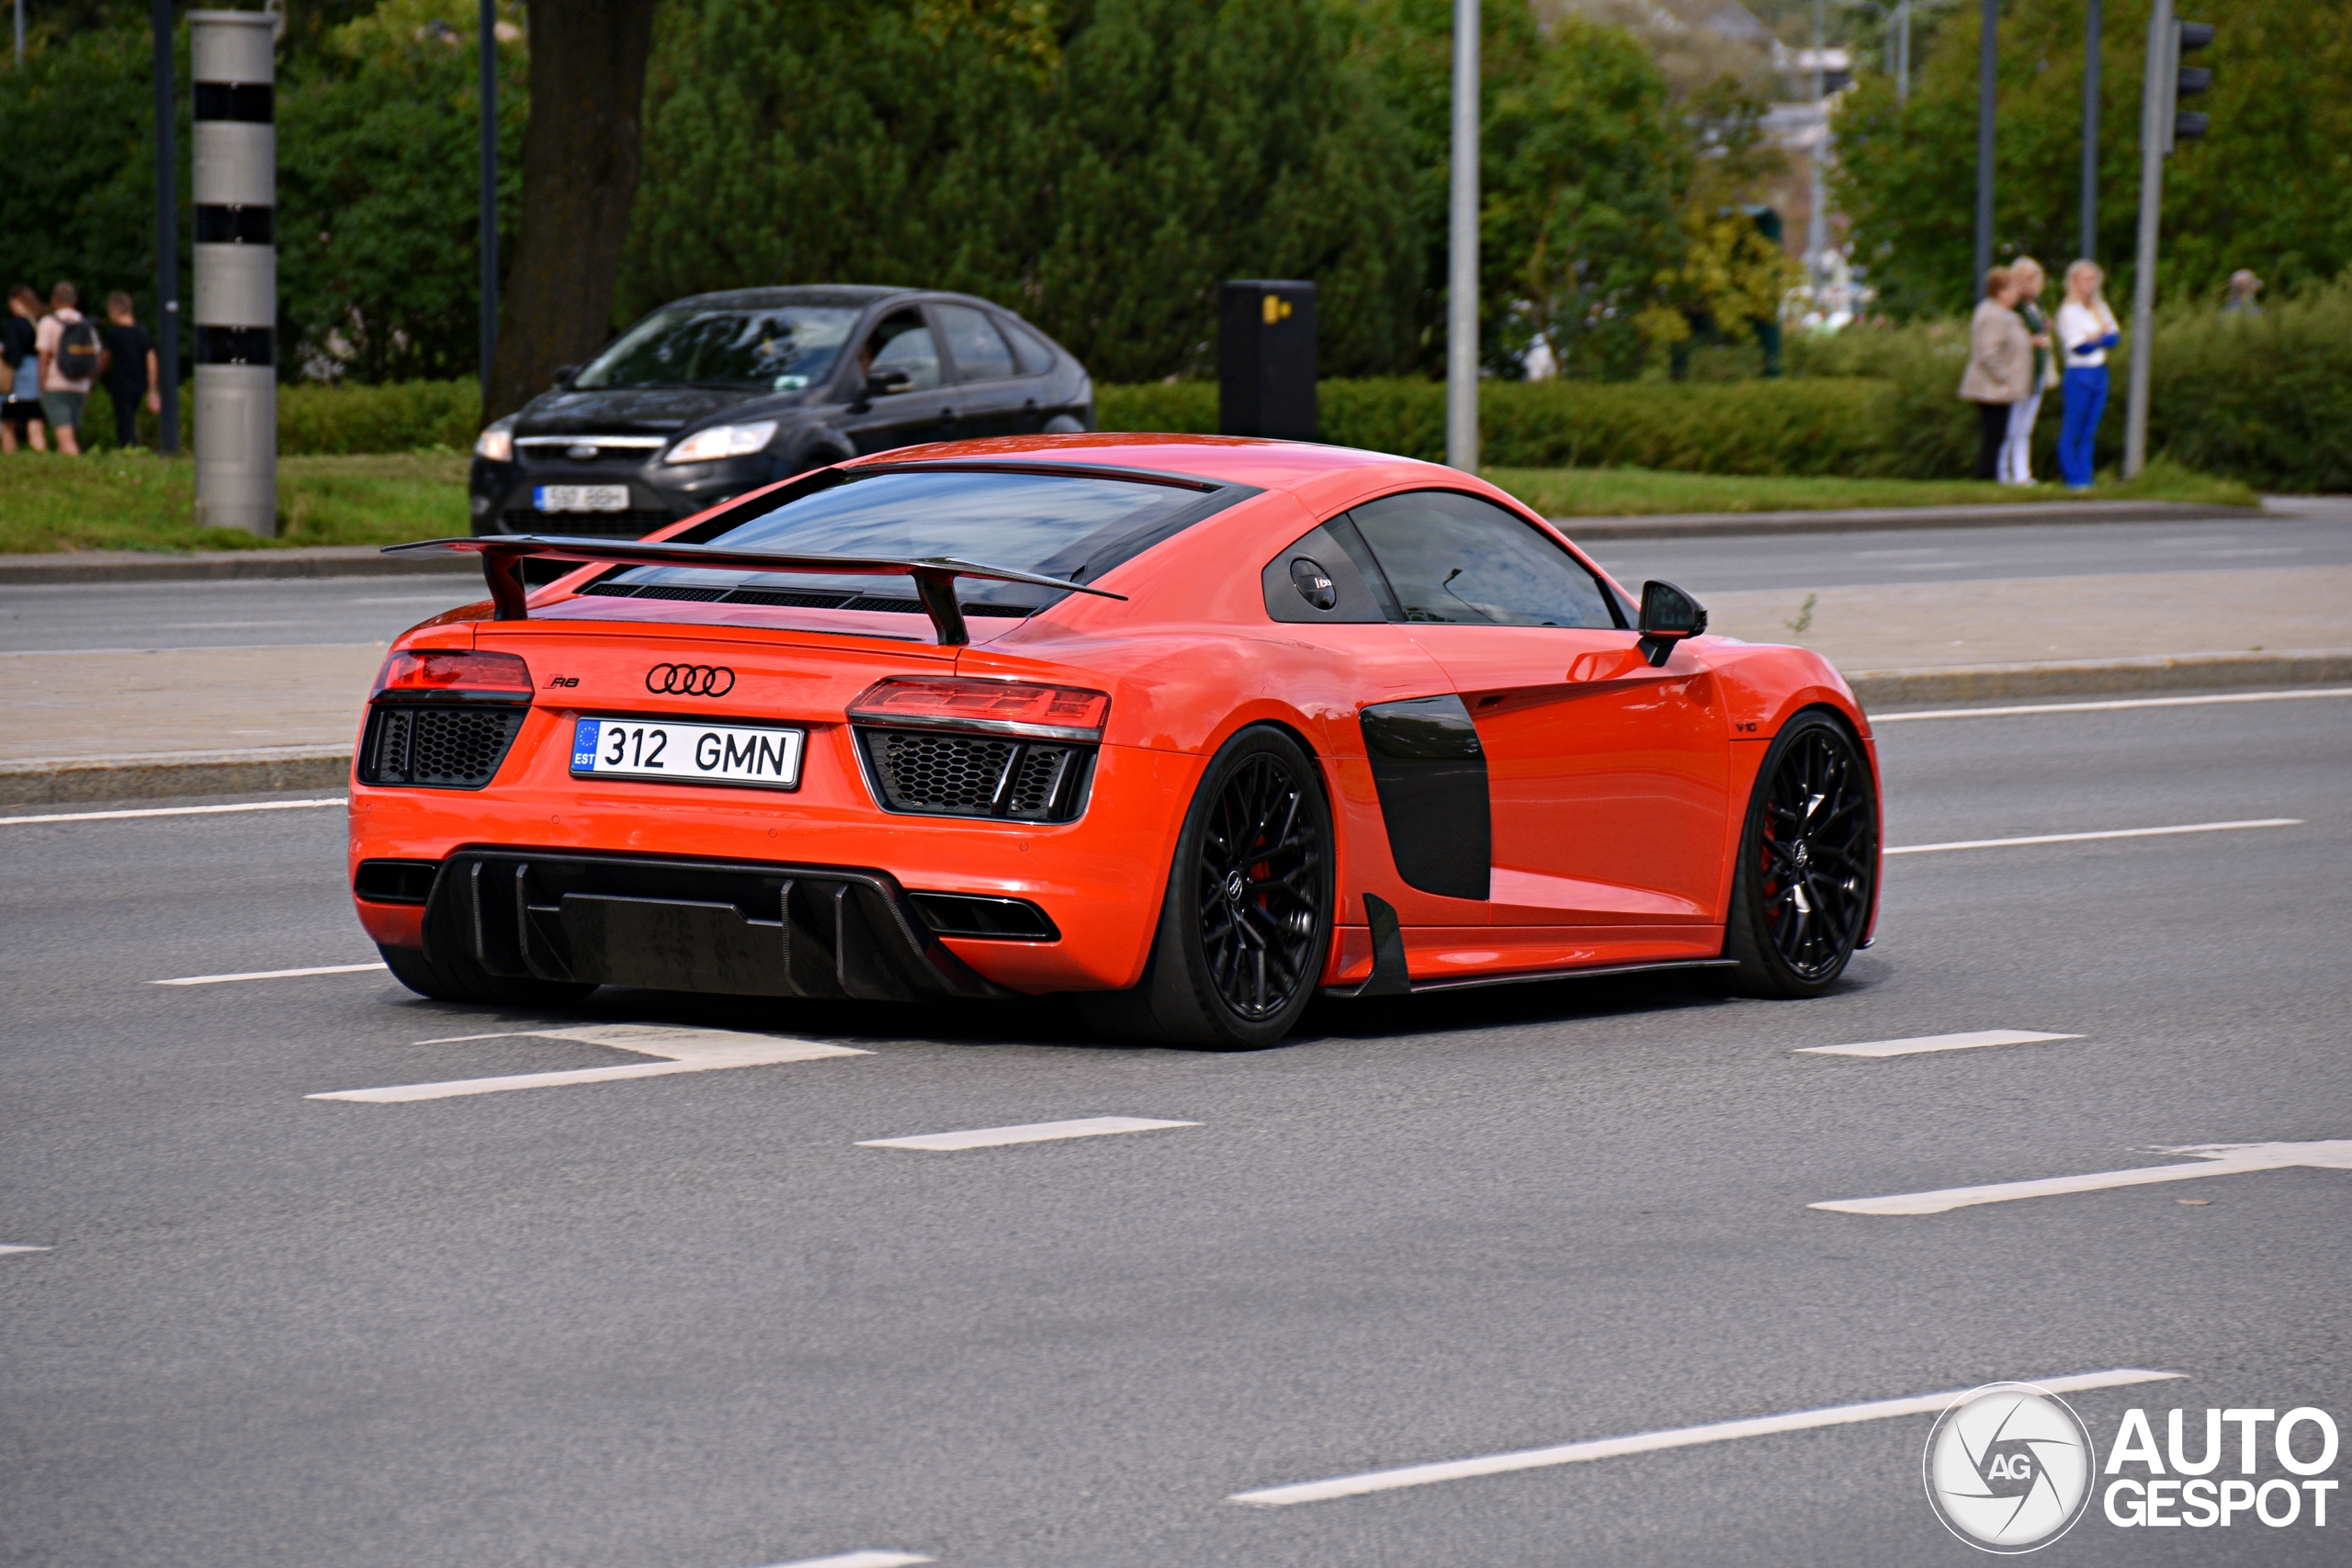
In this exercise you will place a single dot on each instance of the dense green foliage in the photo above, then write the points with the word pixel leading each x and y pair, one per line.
pixel 2265 190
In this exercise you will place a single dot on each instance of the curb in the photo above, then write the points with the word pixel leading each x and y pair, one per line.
pixel 138 566
pixel 61 783
pixel 2101 677
pixel 1892 519
pixel 50 781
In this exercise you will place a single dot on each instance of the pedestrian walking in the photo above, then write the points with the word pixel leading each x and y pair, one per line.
pixel 2086 330
pixel 21 415
pixel 2000 368
pixel 70 352
pixel 2017 450
pixel 128 368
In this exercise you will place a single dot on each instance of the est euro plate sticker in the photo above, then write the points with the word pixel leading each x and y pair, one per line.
pixel 762 756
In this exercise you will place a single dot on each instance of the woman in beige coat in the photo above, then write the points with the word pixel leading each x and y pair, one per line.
pixel 2000 368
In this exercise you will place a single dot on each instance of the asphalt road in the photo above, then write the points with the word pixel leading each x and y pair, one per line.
pixel 687 1321
pixel 264 614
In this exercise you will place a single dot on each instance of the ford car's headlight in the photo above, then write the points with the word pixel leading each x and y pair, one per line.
pixel 497 442
pixel 721 441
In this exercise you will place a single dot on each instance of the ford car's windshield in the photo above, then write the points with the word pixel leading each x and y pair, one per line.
pixel 1073 526
pixel 775 348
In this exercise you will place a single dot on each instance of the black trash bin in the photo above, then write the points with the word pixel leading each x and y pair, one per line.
pixel 1265 359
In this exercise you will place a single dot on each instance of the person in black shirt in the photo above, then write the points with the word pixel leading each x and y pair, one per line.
pixel 128 368
pixel 21 415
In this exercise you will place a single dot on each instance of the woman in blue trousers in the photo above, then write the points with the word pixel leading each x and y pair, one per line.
pixel 2086 330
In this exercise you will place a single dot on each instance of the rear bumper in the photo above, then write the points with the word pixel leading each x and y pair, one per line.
pixel 684 925
pixel 1098 880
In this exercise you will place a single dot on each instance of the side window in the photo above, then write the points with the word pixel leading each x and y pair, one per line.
pixel 1454 557
pixel 901 347
pixel 974 343
pixel 1029 348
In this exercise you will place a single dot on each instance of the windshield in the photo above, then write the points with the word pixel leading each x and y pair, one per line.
pixel 776 348
pixel 1054 524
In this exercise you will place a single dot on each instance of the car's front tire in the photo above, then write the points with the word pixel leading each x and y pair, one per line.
pixel 1246 925
pixel 1807 875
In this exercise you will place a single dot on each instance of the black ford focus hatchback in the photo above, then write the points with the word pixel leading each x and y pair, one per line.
pixel 721 393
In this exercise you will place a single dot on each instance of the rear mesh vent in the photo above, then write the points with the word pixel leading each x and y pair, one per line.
pixel 938 775
pixel 450 746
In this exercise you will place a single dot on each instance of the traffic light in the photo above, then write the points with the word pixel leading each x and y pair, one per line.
pixel 2189 81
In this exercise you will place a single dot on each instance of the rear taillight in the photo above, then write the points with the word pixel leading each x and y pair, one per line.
pixel 450 675
pixel 1000 707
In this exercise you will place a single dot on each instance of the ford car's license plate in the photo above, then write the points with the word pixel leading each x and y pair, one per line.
pixel 674 751
pixel 580 498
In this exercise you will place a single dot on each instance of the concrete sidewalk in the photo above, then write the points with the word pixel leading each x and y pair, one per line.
pixel 79 726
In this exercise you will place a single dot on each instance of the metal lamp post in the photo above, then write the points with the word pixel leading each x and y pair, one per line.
pixel 1462 250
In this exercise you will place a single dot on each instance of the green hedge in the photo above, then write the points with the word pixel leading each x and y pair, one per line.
pixel 2263 399
pixel 332 421
pixel 1844 426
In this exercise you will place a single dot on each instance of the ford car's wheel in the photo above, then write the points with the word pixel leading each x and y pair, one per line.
pixel 1808 862
pixel 1245 924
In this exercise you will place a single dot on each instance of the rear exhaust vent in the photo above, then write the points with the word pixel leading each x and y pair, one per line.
pixel 451 747
pixel 932 774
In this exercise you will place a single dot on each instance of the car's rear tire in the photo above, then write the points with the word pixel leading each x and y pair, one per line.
pixel 1807 874
pixel 1246 925
pixel 454 978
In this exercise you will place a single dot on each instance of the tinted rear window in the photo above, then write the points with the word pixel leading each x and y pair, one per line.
pixel 1054 524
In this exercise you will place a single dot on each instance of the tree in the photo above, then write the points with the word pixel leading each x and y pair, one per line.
pixel 2263 191
pixel 580 168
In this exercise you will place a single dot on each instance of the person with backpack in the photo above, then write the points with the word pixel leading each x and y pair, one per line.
pixel 70 351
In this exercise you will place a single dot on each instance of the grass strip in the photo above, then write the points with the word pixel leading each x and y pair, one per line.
pixel 136 500
pixel 1632 492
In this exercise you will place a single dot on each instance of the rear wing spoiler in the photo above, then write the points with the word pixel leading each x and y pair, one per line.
pixel 934 577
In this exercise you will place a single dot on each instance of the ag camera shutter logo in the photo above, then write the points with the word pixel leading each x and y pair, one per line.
pixel 2009 1468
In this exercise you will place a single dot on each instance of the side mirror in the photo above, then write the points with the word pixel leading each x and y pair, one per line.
pixel 881 383
pixel 1669 614
pixel 564 375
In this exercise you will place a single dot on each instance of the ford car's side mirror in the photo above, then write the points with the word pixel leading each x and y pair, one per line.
pixel 882 383
pixel 1669 614
pixel 562 376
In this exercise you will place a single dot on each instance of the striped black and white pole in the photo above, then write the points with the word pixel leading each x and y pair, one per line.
pixel 236 269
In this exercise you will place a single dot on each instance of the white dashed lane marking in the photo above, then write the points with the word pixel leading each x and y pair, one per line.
pixel 1034 1132
pixel 2086 838
pixel 1650 1442
pixel 8 1249
pixel 1933 1042
pixel 2211 1159
pixel 269 975
pixel 858 1560
pixel 683 1051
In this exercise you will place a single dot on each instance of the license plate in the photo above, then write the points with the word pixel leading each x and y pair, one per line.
pixel 670 751
pixel 580 498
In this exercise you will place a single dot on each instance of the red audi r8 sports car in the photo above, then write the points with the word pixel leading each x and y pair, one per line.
pixel 1196 726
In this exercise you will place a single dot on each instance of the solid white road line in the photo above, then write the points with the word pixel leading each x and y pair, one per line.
pixel 6 1249
pixel 176 811
pixel 682 1050
pixel 858 1560
pixel 1933 1042
pixel 1877 719
pixel 270 974
pixel 2212 1159
pixel 1034 1133
pixel 1650 1442
pixel 2084 838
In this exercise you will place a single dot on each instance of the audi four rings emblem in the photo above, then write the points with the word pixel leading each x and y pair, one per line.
pixel 691 680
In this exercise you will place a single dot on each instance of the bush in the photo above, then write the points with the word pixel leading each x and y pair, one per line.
pixel 1754 427
pixel 401 416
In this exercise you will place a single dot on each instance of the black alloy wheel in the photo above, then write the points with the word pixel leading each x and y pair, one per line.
pixel 1245 924
pixel 1808 862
